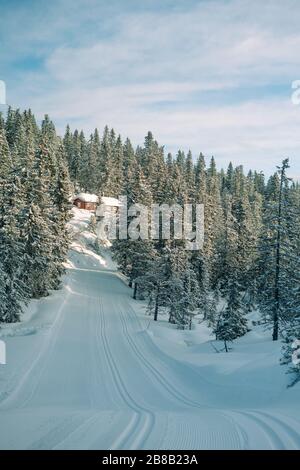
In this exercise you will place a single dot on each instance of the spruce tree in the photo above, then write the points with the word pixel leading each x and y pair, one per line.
pixel 60 216
pixel 231 322
pixel 13 292
pixel 277 254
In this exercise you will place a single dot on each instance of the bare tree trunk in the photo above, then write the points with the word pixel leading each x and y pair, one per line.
pixel 278 255
pixel 135 290
pixel 156 305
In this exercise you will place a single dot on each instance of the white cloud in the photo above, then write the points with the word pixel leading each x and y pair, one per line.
pixel 211 41
pixel 157 69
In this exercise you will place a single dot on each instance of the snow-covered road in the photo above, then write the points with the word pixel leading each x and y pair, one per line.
pixel 87 370
pixel 98 381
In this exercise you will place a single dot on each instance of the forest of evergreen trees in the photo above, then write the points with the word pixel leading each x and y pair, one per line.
pixel 35 189
pixel 251 254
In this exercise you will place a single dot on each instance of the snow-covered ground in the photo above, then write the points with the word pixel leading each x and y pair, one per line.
pixel 88 369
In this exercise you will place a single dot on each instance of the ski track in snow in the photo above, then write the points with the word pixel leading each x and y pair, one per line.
pixel 279 434
pixel 143 420
pixel 100 382
pixel 33 367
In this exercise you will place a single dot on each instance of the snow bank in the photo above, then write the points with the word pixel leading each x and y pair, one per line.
pixel 85 252
pixel 250 375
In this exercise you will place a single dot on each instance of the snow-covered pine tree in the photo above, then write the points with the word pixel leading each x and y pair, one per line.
pixel 92 170
pixel 229 179
pixel 129 160
pixel 206 298
pixel 190 178
pixel 228 261
pixel 249 231
pixel 200 180
pixel 141 254
pixel 138 189
pixel 151 159
pixel 133 255
pixel 291 327
pixel 171 283
pixel 68 142
pixel 214 223
pixel 278 258
pixel 152 285
pixel 80 161
pixel 13 292
pixel 59 217
pixel 73 153
pixel 182 298
pixel 156 281
pixel 114 182
pixel 10 126
pixel 291 350
pixel 37 228
pixel 106 162
pixel 24 148
pixel 134 258
pixel 38 252
pixel 231 323
pixel 259 182
pixel 256 201
pixel 2 122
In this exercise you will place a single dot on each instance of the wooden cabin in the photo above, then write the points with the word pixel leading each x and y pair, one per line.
pixel 86 201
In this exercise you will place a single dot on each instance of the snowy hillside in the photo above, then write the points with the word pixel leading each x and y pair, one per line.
pixel 83 253
pixel 88 369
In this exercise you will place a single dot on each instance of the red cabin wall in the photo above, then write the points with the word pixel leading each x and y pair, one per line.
pixel 89 206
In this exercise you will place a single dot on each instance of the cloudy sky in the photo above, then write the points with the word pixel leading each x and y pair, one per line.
pixel 210 75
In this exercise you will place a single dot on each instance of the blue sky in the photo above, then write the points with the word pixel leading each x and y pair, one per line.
pixel 213 76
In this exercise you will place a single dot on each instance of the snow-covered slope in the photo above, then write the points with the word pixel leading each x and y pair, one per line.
pixel 89 370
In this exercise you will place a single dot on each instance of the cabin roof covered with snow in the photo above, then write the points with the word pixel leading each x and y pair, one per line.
pixel 110 201
pixel 86 197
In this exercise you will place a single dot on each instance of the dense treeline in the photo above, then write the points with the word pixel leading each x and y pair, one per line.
pixel 35 190
pixel 251 254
